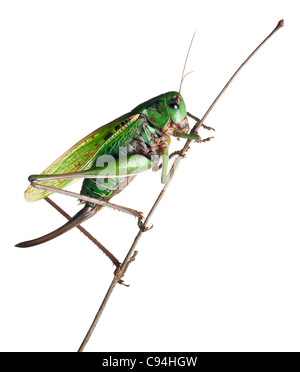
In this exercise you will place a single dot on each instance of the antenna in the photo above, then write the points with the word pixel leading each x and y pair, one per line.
pixel 186 58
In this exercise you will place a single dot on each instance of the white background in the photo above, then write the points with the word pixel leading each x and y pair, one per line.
pixel 220 269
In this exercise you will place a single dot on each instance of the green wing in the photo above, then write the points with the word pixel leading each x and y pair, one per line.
pixel 81 156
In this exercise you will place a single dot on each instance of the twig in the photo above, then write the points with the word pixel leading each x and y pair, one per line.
pixel 120 271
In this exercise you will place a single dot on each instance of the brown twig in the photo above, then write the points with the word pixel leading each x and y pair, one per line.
pixel 119 273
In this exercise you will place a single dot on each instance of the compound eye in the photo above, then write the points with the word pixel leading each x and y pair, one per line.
pixel 173 104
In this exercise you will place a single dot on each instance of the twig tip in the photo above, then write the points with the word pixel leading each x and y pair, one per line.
pixel 280 24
